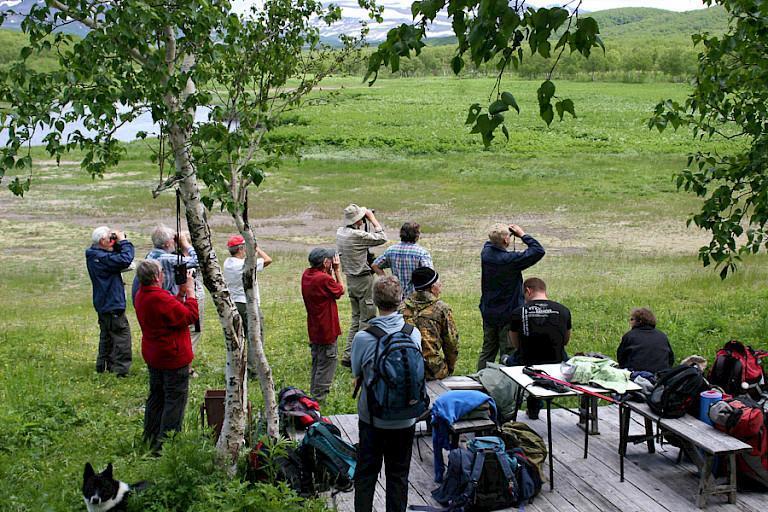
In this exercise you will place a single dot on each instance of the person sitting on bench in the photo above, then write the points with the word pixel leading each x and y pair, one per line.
pixel 540 330
pixel 644 348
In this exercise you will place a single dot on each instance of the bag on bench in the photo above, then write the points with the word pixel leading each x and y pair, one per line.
pixel 676 391
pixel 743 418
pixel 737 370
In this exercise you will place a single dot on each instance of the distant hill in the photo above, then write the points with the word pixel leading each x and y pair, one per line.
pixel 638 23
pixel 641 22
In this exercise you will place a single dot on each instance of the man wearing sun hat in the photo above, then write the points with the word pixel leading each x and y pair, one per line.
pixel 434 319
pixel 233 273
pixel 320 292
pixel 352 244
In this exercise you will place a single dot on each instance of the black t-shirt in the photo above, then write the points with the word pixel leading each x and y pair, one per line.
pixel 541 327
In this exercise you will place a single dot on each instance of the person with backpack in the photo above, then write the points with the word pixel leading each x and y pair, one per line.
pixel 644 348
pixel 386 431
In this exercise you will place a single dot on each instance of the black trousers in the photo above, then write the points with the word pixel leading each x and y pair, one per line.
pixel 393 447
pixel 114 343
pixel 168 391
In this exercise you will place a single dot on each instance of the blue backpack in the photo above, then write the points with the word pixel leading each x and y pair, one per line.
pixel 395 384
pixel 484 477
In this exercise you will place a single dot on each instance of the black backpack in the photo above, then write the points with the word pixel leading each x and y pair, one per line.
pixel 676 391
pixel 394 379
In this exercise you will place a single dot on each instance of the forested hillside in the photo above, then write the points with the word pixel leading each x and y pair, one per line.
pixel 641 45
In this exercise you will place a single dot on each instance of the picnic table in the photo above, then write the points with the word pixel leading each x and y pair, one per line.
pixel 526 384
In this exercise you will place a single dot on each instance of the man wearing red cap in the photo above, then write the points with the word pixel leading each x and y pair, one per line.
pixel 233 273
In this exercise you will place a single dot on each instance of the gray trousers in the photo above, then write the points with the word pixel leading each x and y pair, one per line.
pixel 360 290
pixel 114 343
pixel 496 340
pixel 324 361
pixel 242 308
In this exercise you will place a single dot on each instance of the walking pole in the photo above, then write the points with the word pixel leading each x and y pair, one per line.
pixel 538 373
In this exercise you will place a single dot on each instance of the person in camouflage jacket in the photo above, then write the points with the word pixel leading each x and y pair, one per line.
pixel 434 319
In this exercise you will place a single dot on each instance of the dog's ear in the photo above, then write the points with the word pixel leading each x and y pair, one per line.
pixel 88 471
pixel 108 472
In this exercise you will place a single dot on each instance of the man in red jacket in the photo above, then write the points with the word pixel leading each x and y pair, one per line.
pixel 166 348
pixel 320 292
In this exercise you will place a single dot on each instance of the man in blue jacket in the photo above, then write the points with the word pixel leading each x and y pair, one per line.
pixel 109 255
pixel 502 286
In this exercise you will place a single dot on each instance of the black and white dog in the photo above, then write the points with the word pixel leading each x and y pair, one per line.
pixel 102 493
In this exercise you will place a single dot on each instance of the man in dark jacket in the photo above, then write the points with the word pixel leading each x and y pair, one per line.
pixel 166 347
pixel 644 348
pixel 502 286
pixel 109 255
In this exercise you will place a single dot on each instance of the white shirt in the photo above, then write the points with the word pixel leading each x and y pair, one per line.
pixel 233 273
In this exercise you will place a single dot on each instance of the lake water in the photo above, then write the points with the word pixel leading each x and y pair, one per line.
pixel 126 133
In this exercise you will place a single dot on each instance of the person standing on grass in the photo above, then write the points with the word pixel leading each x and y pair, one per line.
pixel 165 243
pixel 321 286
pixel 166 347
pixel 233 273
pixel 502 286
pixel 540 330
pixel 405 257
pixel 352 244
pixel 110 254
pixel 434 319
pixel 387 441
pixel 644 347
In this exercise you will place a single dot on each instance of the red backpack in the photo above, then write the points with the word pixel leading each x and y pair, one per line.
pixel 737 370
pixel 744 419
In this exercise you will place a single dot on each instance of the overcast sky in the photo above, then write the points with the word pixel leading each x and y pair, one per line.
pixel 587 5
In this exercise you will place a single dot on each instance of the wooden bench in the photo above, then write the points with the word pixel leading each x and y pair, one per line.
pixel 701 443
pixel 436 388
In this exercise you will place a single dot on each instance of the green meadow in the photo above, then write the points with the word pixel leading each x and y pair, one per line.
pixel 597 191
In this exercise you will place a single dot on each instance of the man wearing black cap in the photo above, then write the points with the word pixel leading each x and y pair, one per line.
pixel 320 292
pixel 434 319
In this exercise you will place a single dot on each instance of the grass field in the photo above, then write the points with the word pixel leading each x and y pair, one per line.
pixel 597 191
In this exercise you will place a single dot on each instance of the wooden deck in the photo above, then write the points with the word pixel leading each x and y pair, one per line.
pixel 654 481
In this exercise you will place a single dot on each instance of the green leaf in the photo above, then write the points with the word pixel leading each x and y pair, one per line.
pixel 564 106
pixel 474 111
pixel 497 106
pixel 508 99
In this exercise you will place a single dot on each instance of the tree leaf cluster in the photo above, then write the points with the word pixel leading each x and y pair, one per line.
pixel 730 100
pixel 497 30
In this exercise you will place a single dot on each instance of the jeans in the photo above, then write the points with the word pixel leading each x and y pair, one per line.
pixel 114 343
pixel 168 391
pixel 393 447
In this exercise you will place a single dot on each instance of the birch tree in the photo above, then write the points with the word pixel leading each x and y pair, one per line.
pixel 170 59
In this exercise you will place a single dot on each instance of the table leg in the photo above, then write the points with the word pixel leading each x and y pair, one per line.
pixel 704 486
pixel 732 477
pixel 518 400
pixel 549 440
pixel 586 434
pixel 624 414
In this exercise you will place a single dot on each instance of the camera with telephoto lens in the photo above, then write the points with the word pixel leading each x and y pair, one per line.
pixel 113 236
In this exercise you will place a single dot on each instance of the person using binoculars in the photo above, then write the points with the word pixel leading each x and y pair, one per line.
pixel 352 243
pixel 110 254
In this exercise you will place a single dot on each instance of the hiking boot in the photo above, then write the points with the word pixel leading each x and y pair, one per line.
pixel 347 363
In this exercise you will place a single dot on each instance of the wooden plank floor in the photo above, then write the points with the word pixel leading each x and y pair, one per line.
pixel 653 481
